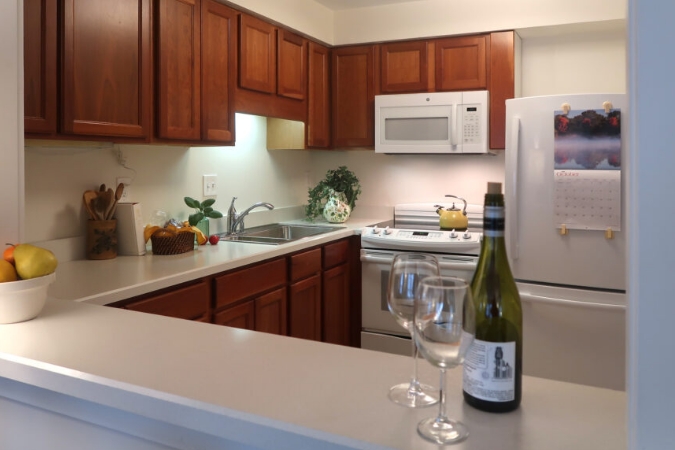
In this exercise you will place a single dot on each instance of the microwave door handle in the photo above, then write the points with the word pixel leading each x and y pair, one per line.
pixel 453 128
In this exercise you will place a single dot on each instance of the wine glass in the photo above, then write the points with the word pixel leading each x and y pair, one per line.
pixel 407 270
pixel 444 328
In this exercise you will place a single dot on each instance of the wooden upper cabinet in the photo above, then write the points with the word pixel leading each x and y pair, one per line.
pixel 39 72
pixel 178 62
pixel 461 63
pixel 501 84
pixel 291 65
pixel 317 129
pixel 219 52
pixel 106 68
pixel 403 67
pixel 353 98
pixel 257 56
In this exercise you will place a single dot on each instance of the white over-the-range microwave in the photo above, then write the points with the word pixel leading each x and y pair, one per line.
pixel 433 122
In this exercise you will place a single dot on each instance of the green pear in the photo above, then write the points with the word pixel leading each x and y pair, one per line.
pixel 32 262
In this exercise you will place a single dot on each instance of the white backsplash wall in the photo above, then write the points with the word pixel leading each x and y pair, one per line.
pixel 390 179
pixel 57 177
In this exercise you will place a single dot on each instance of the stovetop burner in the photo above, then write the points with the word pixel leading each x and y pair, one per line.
pixel 416 228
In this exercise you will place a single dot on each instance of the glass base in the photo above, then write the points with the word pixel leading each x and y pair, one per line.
pixel 442 430
pixel 413 396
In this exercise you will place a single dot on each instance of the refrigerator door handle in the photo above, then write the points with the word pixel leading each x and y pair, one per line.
pixel 533 298
pixel 512 200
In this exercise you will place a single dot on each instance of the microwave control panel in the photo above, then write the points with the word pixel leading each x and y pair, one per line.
pixel 471 124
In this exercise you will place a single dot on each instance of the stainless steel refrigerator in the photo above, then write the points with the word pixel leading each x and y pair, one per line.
pixel 565 234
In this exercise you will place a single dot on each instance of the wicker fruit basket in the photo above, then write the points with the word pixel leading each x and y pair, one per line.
pixel 173 245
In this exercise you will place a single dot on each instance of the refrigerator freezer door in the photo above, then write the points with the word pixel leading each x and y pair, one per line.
pixel 574 335
pixel 537 250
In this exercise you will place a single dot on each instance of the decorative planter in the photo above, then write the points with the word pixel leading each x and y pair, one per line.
pixel 336 209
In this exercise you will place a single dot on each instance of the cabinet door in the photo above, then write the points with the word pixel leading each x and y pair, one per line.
pixel 461 63
pixel 318 101
pixel 271 312
pixel 219 31
pixel 39 66
pixel 403 67
pixel 353 97
pixel 178 69
pixel 257 55
pixel 501 84
pixel 291 65
pixel 335 307
pixel 240 316
pixel 305 308
pixel 106 67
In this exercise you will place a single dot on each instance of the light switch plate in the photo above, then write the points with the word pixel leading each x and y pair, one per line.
pixel 210 185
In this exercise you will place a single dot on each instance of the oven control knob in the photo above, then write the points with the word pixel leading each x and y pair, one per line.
pixel 466 235
pixel 388 230
pixel 453 234
pixel 375 230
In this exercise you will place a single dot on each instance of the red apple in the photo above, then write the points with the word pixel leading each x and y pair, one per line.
pixel 213 239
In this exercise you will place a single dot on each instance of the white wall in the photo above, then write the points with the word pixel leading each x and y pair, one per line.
pixel 11 127
pixel 572 59
pixel 442 17
pixel 651 251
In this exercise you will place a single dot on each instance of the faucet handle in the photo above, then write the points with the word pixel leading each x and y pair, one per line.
pixel 231 208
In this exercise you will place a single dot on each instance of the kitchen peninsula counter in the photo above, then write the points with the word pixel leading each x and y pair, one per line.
pixel 144 381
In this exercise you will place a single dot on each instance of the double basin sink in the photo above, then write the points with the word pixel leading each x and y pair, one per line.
pixel 277 233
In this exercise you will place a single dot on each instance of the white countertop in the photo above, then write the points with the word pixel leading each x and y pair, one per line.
pixel 269 391
pixel 257 389
pixel 107 281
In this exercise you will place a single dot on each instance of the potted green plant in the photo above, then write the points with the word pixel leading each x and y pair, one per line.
pixel 204 211
pixel 341 182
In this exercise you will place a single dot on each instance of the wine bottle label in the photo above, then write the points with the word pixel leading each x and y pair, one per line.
pixel 493 221
pixel 490 370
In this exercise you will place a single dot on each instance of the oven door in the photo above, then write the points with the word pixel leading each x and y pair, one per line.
pixel 376 318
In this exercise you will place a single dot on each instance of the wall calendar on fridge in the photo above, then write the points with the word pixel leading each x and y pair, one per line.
pixel 587 169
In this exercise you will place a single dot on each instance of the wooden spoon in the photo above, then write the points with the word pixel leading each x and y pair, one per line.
pixel 107 201
pixel 89 199
pixel 118 195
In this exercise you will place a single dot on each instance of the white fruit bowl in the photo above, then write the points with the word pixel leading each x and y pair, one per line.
pixel 23 300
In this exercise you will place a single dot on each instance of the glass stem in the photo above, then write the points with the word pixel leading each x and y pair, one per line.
pixel 442 417
pixel 414 383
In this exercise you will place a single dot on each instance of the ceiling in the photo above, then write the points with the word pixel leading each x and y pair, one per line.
pixel 336 5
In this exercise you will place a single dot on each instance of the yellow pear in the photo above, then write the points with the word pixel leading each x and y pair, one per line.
pixel 32 262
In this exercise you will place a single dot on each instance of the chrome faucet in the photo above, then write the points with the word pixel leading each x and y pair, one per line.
pixel 236 220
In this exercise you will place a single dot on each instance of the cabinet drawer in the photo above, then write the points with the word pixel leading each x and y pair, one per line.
pixel 248 282
pixel 336 253
pixel 190 302
pixel 305 264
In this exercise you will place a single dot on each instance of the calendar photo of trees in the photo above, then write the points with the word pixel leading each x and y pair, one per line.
pixel 587 140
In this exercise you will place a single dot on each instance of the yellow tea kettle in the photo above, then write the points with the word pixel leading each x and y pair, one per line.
pixel 453 218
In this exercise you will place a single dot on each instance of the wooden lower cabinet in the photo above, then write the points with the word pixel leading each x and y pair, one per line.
pixel 305 308
pixel 309 294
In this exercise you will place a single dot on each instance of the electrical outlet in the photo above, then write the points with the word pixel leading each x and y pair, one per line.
pixel 126 193
pixel 210 185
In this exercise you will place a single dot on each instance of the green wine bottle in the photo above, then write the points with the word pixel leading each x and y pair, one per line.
pixel 494 363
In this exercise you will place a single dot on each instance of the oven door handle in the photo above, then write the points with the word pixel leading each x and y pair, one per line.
pixel 444 262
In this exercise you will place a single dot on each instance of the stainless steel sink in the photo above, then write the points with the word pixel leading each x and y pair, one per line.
pixel 276 233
